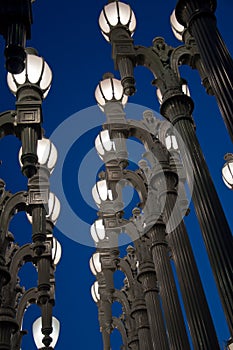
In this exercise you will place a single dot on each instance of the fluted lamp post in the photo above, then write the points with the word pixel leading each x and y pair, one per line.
pixel 164 61
pixel 159 206
pixel 37 159
pixel 45 262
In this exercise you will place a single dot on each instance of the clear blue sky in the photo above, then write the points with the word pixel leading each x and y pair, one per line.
pixel 67 35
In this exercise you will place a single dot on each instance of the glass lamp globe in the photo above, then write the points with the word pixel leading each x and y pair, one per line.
pixel 95 264
pixel 56 251
pixel 101 193
pixel 54 208
pixel 46 153
pixel 95 292
pixel 185 89
pixel 177 28
pixel 229 344
pixel 36 72
pixel 104 144
pixel 38 336
pixel 110 89
pixel 115 14
pixel 159 96
pixel 171 142
pixel 227 171
pixel 98 231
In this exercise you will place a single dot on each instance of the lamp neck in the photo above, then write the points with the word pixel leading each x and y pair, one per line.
pixel 29 92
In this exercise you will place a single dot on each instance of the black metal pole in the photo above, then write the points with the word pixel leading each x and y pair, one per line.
pixel 177 334
pixel 147 276
pixel 139 313
pixel 198 16
pixel 215 230
pixel 195 303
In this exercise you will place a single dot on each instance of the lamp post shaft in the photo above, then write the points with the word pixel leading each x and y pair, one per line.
pixel 199 17
pixel 195 303
pixel 170 300
pixel 215 230
pixel 147 277
pixel 142 325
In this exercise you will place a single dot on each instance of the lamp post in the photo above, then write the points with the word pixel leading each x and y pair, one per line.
pixel 37 159
pixel 163 61
pixel 160 225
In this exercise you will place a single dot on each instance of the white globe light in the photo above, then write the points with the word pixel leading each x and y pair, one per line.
pixel 98 231
pixel 103 143
pixel 95 263
pixel 36 72
pixel 177 28
pixel 95 292
pixel 56 251
pixel 116 13
pixel 227 171
pixel 46 153
pixel 100 192
pixel 110 89
pixel 38 336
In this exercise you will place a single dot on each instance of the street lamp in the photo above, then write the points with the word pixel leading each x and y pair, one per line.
pixel 37 157
pixel 177 107
pixel 161 195
pixel 117 22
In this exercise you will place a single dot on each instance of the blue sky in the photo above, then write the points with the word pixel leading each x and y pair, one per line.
pixel 68 37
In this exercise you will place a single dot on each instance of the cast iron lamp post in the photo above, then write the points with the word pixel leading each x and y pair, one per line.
pixel 163 61
pixel 37 158
pixel 161 214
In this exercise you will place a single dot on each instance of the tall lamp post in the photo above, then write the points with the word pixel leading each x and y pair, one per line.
pixel 159 226
pixel 117 23
pixel 37 158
